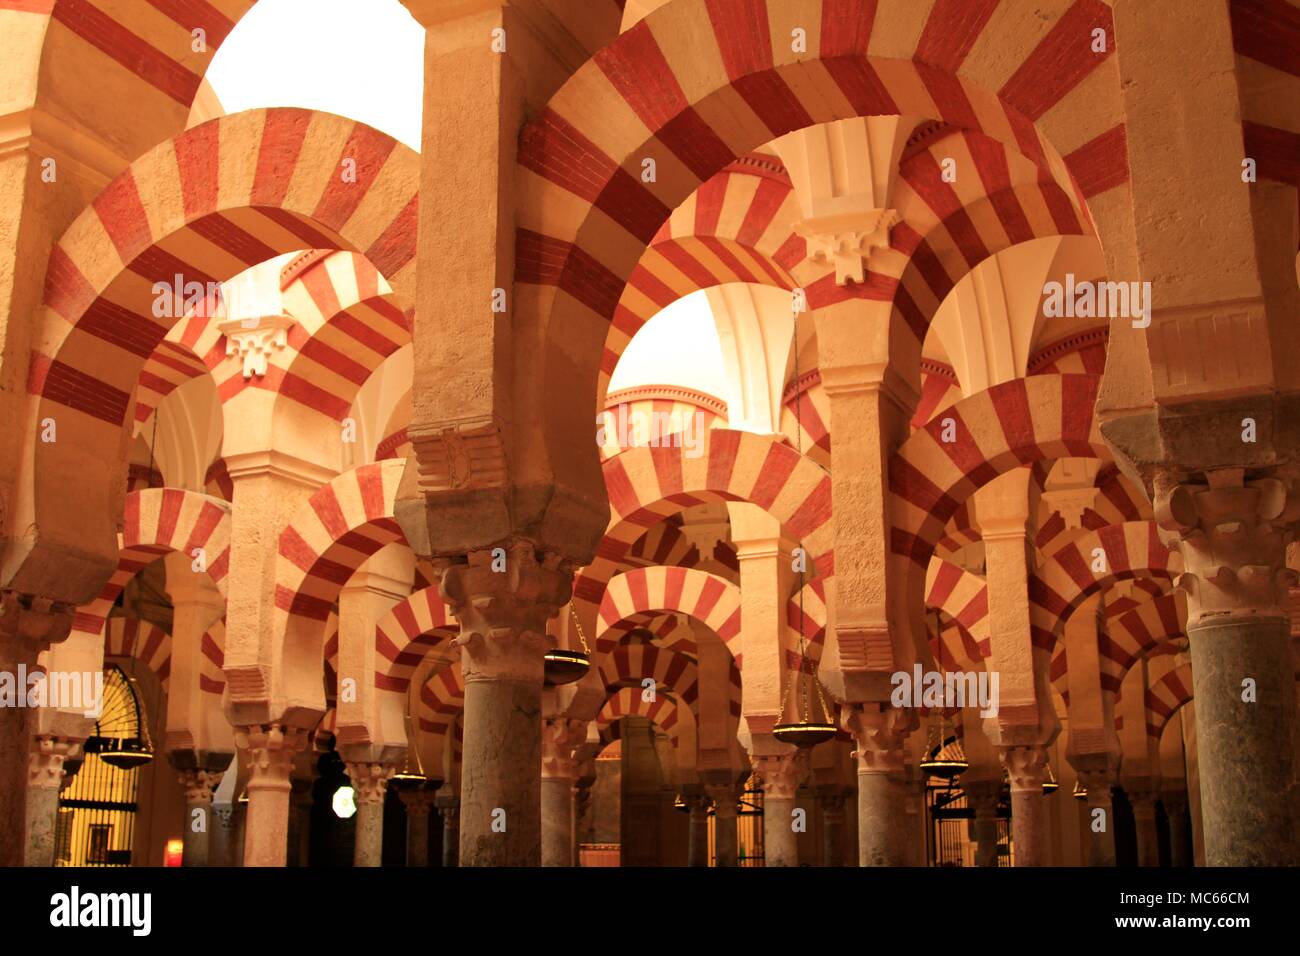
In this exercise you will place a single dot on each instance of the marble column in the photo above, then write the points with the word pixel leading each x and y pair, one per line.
pixel 1026 765
pixel 697 851
pixel 196 836
pixel 779 775
pixel 223 849
pixel 1175 804
pixel 419 804
pixel 725 834
pixel 370 783
pixel 1232 534
pixel 503 607
pixel 1143 803
pixel 560 738
pixel 301 802
pixel 884 830
pixel 449 810
pixel 1100 819
pixel 270 751
pixel 45 758
pixel 982 796
pixel 831 802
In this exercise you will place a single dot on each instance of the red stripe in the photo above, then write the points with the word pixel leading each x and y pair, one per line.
pixel 1267 31
pixel 1062 59
pixel 395 247
pixel 846 27
pixel 110 37
pixel 368 150
pixel 370 481
pixel 77 390
pixel 197 156
pixel 122 214
pixel 951 30
pixel 277 156
pixel 1101 163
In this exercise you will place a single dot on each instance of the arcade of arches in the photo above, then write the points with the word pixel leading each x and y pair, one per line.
pixel 991 299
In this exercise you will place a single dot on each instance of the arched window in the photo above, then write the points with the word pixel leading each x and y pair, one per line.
pixel 98 805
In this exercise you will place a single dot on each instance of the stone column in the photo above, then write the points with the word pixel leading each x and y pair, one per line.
pixel 697 852
pixel 1027 767
pixel 222 847
pixel 1100 819
pixel 1232 536
pixel 725 835
pixel 418 805
pixel 44 776
pixel 982 796
pixel 779 775
pixel 560 738
pixel 503 605
pixel 880 733
pixel 449 809
pixel 270 752
pixel 370 782
pixel 301 801
pixel 1175 805
pixel 196 836
pixel 831 801
pixel 1143 803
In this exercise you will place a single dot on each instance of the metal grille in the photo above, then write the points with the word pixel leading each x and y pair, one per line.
pixel 951 817
pixel 96 822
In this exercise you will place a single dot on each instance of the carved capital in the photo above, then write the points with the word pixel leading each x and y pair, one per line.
pixel 1026 766
pixel 369 781
pixel 725 798
pixel 45 761
pixel 1232 535
pixel 846 241
pixel 503 605
pixel 779 774
pixel 270 751
pixel 879 732
pixel 419 803
pixel 199 786
pixel 561 737
pixel 1098 783
pixel 255 340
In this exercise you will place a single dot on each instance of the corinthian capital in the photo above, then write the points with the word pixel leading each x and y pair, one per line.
pixel 271 749
pixel 561 736
pixel 1026 766
pixel 879 731
pixel 1232 535
pixel 370 780
pixel 503 598
pixel 779 774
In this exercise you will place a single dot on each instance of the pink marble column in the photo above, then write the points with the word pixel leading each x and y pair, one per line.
pixel 1027 767
pixel 270 751
pixel 370 783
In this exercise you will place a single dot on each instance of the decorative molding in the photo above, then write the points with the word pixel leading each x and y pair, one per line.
pixel 1061 347
pixel 297 266
pixel 659 393
pixel 254 340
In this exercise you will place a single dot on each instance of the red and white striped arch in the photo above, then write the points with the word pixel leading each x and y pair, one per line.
pixel 340 526
pixel 442 698
pixel 156 522
pixel 672 673
pixel 1134 633
pixel 645 485
pixel 671 716
pixel 699 82
pixel 1128 550
pixel 407 633
pixel 706 597
pixel 142 641
pixel 1166 696
pixel 1266 39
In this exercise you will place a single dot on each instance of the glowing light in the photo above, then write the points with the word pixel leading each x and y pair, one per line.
pixel 344 802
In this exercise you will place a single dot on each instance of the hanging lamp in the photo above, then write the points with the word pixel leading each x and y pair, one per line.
pixel 564 666
pixel 1080 791
pixel 412 775
pixel 1049 782
pixel 942 759
pixel 124 753
pixel 806 729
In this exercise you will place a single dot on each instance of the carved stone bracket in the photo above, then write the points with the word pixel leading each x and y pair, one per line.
pixel 35 621
pixel 847 241
pixel 45 761
pixel 254 340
